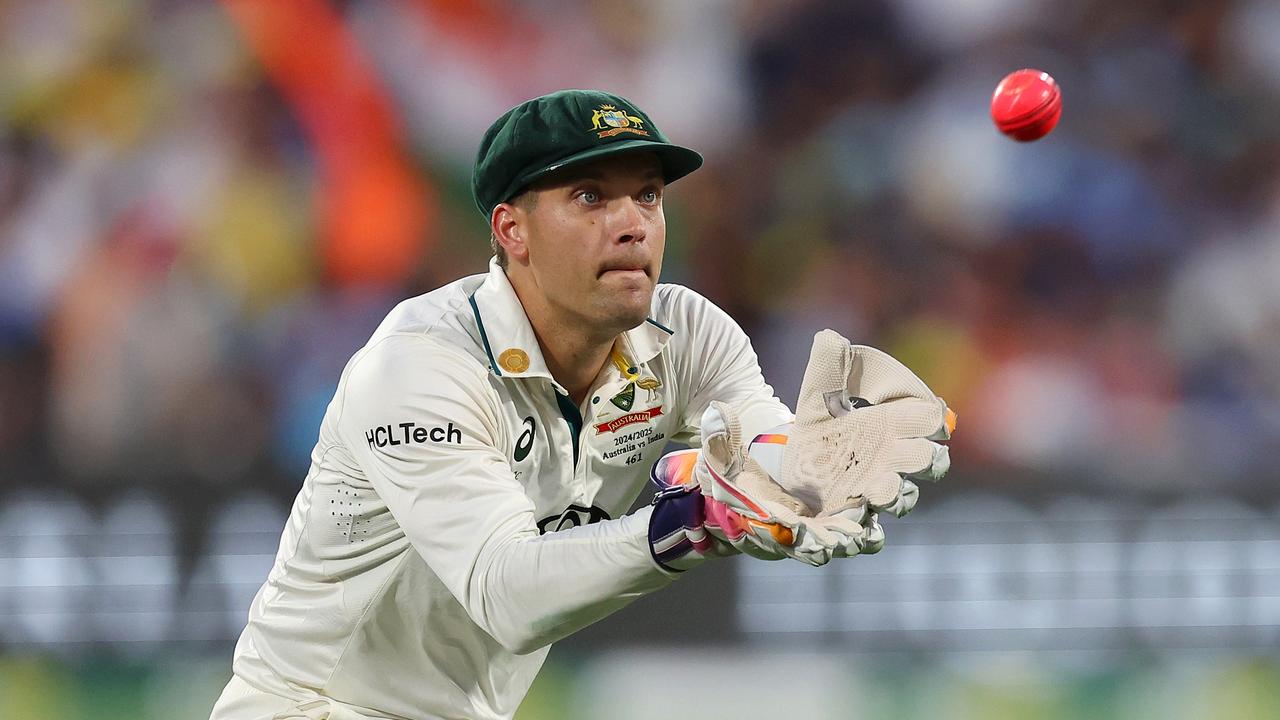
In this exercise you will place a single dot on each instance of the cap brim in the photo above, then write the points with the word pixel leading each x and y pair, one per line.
pixel 676 161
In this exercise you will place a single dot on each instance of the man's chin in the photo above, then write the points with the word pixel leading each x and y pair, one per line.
pixel 633 315
pixel 628 312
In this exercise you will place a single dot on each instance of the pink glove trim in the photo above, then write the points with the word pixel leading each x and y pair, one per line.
pixel 747 502
pixel 718 515
pixel 675 469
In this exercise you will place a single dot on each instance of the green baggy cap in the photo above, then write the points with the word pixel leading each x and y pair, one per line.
pixel 547 133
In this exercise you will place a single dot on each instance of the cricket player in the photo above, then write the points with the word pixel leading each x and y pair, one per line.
pixel 467 502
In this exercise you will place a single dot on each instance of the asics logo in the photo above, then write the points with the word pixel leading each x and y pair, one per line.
pixel 573 516
pixel 525 442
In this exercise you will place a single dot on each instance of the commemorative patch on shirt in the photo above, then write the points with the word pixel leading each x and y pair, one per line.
pixel 634 442
pixel 632 419
pixel 629 434
pixel 618 423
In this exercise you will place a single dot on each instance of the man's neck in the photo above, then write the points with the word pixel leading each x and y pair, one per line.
pixel 573 353
pixel 573 360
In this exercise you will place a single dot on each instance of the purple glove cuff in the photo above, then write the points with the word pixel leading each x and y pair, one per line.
pixel 677 519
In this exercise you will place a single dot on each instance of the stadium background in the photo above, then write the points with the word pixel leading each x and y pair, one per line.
pixel 205 207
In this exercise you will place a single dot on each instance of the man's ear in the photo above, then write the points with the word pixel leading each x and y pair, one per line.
pixel 507 223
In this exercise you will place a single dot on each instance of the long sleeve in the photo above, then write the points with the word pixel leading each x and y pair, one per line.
pixel 424 425
pixel 726 369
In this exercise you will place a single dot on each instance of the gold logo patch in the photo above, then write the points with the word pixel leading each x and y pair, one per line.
pixel 650 385
pixel 514 360
pixel 607 121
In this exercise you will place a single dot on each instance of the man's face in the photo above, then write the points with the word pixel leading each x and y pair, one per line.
pixel 595 235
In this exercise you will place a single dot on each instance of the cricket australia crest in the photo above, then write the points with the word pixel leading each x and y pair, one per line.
pixel 608 120
pixel 624 399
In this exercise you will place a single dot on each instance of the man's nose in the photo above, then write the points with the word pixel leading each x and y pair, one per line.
pixel 628 221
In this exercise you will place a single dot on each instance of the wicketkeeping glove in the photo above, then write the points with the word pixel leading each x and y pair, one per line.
pixel 776 519
pixel 687 526
pixel 865 424
pixel 865 427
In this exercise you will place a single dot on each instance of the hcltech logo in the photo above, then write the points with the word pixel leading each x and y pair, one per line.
pixel 411 434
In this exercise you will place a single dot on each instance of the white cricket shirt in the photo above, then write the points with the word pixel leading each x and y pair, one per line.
pixel 461 513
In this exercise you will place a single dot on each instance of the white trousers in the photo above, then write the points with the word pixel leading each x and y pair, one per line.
pixel 242 701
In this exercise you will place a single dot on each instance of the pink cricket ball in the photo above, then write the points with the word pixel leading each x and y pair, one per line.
pixel 1026 104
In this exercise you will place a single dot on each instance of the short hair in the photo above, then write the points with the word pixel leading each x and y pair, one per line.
pixel 498 251
pixel 527 201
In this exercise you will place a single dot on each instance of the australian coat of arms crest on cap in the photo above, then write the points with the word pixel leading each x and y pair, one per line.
pixel 608 120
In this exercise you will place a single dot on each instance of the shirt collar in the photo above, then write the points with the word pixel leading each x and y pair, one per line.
pixel 511 345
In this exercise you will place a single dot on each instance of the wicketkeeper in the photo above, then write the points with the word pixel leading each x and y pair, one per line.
pixel 467 503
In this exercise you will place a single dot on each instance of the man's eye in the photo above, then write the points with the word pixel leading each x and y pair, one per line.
pixel 650 196
pixel 589 197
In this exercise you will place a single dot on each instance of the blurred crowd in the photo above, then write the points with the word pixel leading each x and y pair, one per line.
pixel 206 207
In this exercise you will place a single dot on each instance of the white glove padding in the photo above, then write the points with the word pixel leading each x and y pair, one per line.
pixel 726 473
pixel 864 423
